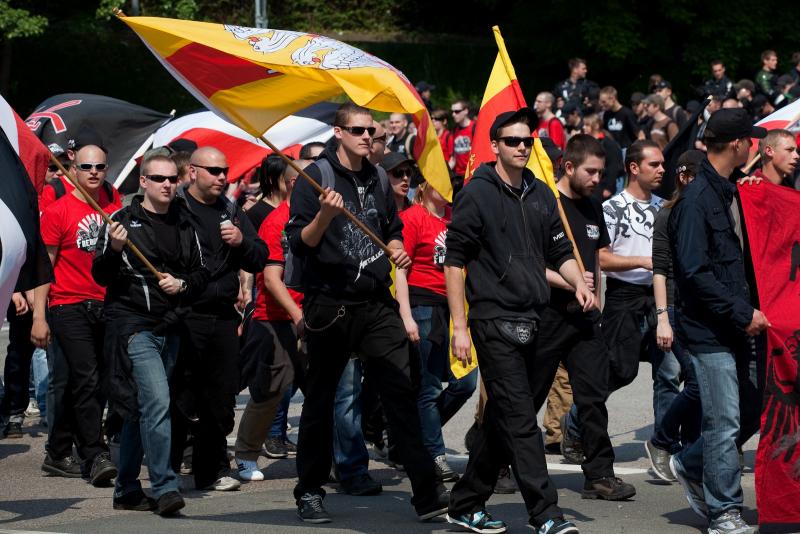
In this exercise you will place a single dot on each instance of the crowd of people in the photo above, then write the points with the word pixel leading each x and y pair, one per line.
pixel 175 299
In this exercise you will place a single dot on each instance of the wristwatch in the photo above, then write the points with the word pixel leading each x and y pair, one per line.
pixel 659 311
pixel 184 285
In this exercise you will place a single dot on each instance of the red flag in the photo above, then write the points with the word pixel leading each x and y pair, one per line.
pixel 34 155
pixel 775 247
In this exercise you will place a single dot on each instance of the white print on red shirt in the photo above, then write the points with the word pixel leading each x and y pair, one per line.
pixel 88 232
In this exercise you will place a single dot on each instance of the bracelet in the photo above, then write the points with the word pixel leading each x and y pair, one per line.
pixel 659 311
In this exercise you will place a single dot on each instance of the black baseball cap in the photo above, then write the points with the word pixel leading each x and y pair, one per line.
pixel 424 86
pixel 182 144
pixel 510 117
pixel 729 124
pixel 663 84
pixel 87 135
pixel 395 159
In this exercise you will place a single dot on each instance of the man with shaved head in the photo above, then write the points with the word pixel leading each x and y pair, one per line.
pixel 208 384
pixel 401 141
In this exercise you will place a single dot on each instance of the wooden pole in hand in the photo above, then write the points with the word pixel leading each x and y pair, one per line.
pixel 750 164
pixel 103 214
pixel 375 239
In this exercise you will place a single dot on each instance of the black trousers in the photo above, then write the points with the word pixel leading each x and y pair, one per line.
pixel 17 372
pixel 79 330
pixel 513 377
pixel 375 331
pixel 209 360
pixel 576 340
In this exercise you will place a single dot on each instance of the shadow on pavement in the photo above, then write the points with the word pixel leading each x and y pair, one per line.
pixel 9 448
pixel 27 510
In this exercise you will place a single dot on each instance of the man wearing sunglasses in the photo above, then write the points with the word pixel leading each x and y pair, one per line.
pixel 505 230
pixel 210 384
pixel 463 132
pixel 144 312
pixel 348 309
pixel 70 229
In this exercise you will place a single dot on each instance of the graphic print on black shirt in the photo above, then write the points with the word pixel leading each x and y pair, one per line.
pixel 585 217
pixel 622 124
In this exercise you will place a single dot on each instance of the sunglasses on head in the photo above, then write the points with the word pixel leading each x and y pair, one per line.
pixel 213 171
pixel 90 166
pixel 513 142
pixel 359 130
pixel 159 178
pixel 402 173
pixel 457 110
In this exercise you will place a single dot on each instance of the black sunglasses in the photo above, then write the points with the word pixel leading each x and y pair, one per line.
pixel 513 142
pixel 381 139
pixel 457 110
pixel 440 118
pixel 159 178
pixel 90 166
pixel 359 130
pixel 402 173
pixel 213 171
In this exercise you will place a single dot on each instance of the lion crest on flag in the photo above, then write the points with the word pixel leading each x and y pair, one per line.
pixel 320 51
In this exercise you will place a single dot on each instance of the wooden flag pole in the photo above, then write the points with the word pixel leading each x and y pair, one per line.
pixel 103 214
pixel 375 239
pixel 750 164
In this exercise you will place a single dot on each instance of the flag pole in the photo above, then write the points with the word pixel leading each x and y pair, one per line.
pixel 104 215
pixel 375 239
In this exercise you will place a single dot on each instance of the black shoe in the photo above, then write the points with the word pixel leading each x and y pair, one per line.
pixel 435 509
pixel 310 509
pixel 135 500
pixel 169 503
pixel 443 471
pixel 557 525
pixel 103 470
pixel 506 484
pixel 276 448
pixel 607 488
pixel 13 430
pixel 553 448
pixel 63 467
pixel 361 486
pixel 471 435
pixel 291 447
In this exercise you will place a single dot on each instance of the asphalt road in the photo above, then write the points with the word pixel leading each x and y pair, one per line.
pixel 31 502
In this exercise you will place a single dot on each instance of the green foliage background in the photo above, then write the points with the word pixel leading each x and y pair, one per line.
pixel 50 47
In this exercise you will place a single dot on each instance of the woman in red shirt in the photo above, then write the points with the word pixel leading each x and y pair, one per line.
pixel 422 296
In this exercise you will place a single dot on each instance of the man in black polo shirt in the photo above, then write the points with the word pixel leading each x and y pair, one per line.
pixel 570 334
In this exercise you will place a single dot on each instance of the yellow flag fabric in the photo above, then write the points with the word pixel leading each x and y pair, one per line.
pixel 255 77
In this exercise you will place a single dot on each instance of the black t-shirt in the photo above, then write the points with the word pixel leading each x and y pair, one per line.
pixel 258 212
pixel 585 217
pixel 622 124
pixel 165 226
pixel 210 215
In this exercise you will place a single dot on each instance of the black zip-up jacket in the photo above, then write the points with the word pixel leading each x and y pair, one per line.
pixel 129 283
pixel 222 290
pixel 346 265
pixel 713 295
pixel 504 242
pixel 134 302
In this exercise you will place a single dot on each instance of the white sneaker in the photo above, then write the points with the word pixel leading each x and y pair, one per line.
pixel 224 484
pixel 248 470
pixel 33 409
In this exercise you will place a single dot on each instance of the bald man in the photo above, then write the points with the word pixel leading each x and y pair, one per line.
pixel 210 351
pixel 401 140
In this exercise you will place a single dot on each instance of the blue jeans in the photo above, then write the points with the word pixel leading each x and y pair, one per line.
pixel 436 404
pixel 349 451
pixel 152 361
pixel 278 428
pixel 726 385
pixel 39 376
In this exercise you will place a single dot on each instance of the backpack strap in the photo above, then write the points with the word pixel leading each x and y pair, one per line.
pixel 109 190
pixel 328 177
pixel 59 188
pixel 384 179
pixel 409 144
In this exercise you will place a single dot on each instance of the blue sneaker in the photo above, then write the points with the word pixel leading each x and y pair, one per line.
pixel 480 522
pixel 557 525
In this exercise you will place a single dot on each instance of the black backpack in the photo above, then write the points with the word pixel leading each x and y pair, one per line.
pixel 294 265
pixel 61 190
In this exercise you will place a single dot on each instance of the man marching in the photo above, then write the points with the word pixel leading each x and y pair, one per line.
pixel 505 228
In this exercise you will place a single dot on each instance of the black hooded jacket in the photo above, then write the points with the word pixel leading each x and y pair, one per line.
pixel 505 241
pixel 222 290
pixel 346 265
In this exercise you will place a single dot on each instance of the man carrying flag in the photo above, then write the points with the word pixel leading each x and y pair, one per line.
pixel 504 222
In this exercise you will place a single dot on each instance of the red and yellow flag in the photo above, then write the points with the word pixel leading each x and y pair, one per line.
pixel 503 94
pixel 255 77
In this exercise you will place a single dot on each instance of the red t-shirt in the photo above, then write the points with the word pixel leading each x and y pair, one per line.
pixel 423 238
pixel 48 195
pixel 271 231
pixel 446 140
pixel 554 130
pixel 462 145
pixel 73 226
